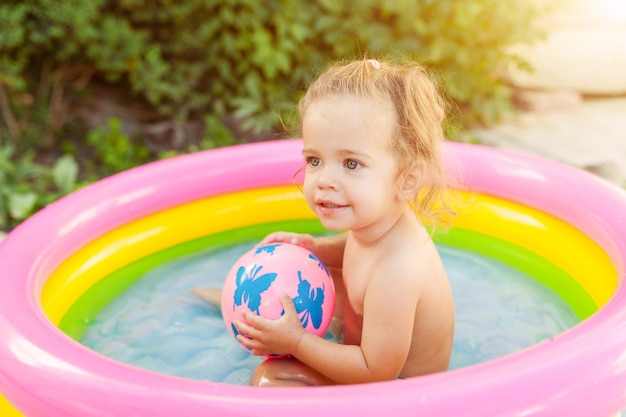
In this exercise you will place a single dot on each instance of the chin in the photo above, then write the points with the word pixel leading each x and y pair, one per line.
pixel 333 226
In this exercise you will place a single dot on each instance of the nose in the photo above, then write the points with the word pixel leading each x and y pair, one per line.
pixel 326 179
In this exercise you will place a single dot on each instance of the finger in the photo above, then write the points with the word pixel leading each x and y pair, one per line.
pixel 248 343
pixel 255 320
pixel 275 237
pixel 254 346
pixel 303 240
pixel 246 330
pixel 288 306
pixel 259 352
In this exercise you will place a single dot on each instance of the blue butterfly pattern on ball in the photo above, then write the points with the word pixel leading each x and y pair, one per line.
pixel 319 263
pixel 267 248
pixel 250 286
pixel 309 303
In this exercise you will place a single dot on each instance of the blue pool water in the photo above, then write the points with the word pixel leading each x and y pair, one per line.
pixel 158 325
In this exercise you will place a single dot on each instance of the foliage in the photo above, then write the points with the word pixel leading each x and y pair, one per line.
pixel 26 186
pixel 215 59
pixel 243 57
pixel 113 151
pixel 264 56
pixel 216 135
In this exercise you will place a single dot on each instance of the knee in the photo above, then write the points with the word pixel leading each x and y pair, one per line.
pixel 286 372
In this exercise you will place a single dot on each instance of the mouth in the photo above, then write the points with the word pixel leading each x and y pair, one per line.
pixel 327 205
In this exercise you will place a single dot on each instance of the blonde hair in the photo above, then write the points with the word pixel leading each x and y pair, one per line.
pixel 417 138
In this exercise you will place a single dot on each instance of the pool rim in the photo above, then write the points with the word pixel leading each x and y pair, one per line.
pixel 542 184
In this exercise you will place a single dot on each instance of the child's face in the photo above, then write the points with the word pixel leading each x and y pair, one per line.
pixel 350 177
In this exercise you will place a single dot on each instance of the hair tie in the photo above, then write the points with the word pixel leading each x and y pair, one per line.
pixel 374 63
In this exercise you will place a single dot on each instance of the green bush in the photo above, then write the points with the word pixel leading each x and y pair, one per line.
pixel 245 58
pixel 113 151
pixel 241 63
pixel 26 186
pixel 265 55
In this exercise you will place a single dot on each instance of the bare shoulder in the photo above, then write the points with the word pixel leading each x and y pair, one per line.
pixel 415 262
pixel 405 269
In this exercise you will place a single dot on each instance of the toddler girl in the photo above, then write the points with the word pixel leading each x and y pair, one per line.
pixel 372 136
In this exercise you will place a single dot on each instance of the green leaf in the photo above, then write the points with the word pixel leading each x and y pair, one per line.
pixel 65 173
pixel 21 205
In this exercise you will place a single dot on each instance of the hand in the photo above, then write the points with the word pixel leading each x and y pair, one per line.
pixel 272 337
pixel 305 240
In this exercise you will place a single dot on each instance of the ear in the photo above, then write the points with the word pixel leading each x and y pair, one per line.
pixel 408 184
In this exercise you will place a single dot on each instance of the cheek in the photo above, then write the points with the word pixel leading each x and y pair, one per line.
pixel 308 187
pixel 377 192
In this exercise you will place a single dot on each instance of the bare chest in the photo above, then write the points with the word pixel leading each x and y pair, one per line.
pixel 355 276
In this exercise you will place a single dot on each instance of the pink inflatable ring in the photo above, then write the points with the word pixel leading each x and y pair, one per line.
pixel 581 372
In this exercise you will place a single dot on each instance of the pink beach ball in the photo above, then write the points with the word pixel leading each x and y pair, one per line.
pixel 257 279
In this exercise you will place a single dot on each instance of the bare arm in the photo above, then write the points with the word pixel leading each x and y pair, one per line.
pixel 386 338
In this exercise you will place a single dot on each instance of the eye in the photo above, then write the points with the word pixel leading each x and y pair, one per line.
pixel 313 161
pixel 352 164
